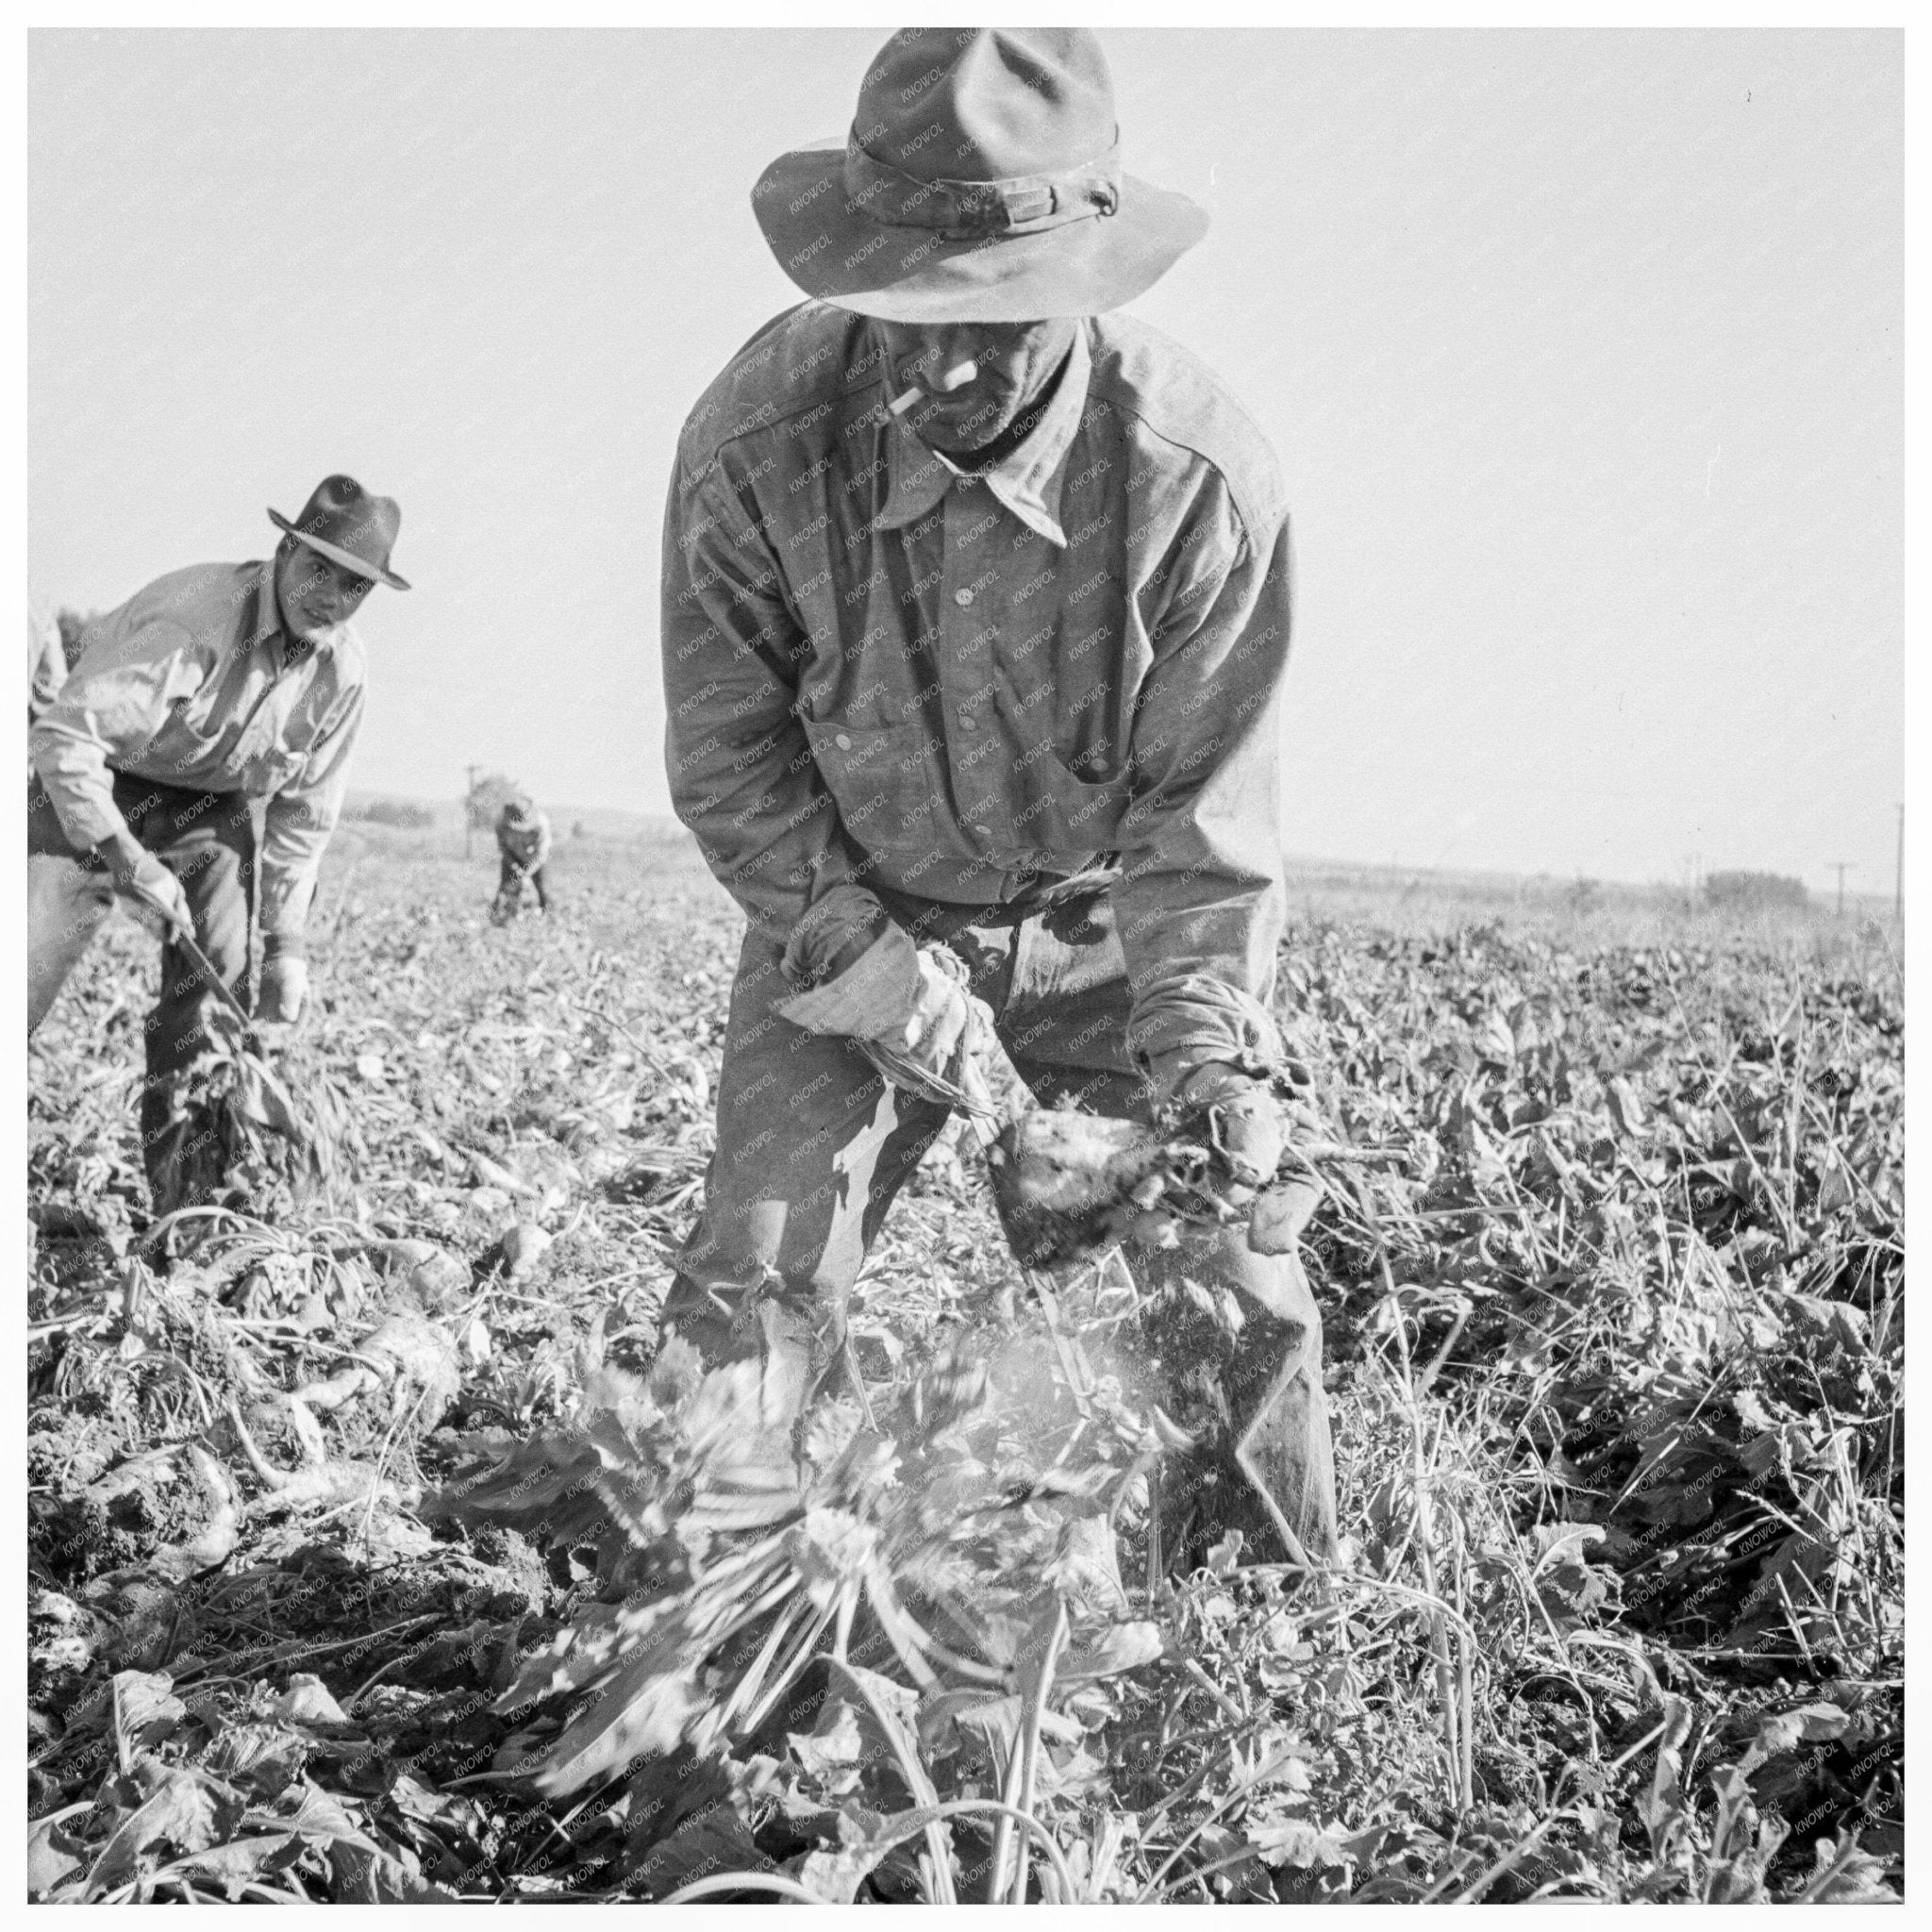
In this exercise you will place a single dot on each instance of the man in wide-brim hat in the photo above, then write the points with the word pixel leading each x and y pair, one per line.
pixel 214 687
pixel 976 612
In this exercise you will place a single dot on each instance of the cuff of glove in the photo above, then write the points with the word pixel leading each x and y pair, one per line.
pixel 869 999
pixel 121 853
pixel 283 945
pixel 1210 1081
pixel 1170 1074
pixel 833 935
pixel 1197 1022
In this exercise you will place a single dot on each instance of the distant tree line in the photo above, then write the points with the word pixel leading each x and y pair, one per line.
pixel 401 812
pixel 488 797
pixel 1753 892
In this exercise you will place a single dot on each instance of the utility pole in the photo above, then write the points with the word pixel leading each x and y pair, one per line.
pixel 1843 867
pixel 469 791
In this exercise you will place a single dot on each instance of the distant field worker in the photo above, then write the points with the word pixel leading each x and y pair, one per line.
pixel 523 836
pixel 214 687
pixel 46 664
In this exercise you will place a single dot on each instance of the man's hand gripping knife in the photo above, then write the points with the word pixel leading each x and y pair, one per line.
pixel 139 875
pixel 161 905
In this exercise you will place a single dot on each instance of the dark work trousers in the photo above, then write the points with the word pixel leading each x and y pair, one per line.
pixel 510 887
pixel 206 840
pixel 814 1146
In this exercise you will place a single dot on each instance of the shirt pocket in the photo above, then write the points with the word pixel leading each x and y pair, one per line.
pixel 1067 816
pixel 263 773
pixel 274 749
pixel 885 779
pixel 187 749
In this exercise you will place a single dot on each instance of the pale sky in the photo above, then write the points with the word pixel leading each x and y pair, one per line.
pixel 1581 353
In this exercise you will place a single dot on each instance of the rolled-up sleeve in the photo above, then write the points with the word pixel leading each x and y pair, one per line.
pixel 296 824
pixel 743 776
pixel 46 664
pixel 1200 902
pixel 118 701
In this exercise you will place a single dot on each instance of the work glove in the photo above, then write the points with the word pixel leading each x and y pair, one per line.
pixel 284 986
pixel 1246 1125
pixel 154 889
pixel 892 994
pixel 938 1016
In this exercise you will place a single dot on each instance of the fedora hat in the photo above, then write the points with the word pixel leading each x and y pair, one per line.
pixel 981 182
pixel 347 526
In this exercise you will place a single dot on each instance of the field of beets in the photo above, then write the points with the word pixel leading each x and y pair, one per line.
pixel 378 1552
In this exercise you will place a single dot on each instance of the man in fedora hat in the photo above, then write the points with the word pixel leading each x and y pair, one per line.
pixel 215 688
pixel 976 612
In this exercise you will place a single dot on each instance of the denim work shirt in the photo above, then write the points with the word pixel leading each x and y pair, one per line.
pixel 193 682
pixel 880 670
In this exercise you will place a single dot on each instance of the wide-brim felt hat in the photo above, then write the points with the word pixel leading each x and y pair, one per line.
pixel 344 522
pixel 980 182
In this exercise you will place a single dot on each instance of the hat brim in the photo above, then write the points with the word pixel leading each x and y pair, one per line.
pixel 336 554
pixel 833 249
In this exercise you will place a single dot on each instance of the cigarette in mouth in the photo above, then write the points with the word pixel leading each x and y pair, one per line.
pixel 958 377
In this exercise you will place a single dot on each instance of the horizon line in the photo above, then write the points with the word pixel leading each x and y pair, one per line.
pixel 1302 861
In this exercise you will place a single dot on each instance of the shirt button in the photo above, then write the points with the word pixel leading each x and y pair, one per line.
pixel 843 742
pixel 968 721
pixel 962 598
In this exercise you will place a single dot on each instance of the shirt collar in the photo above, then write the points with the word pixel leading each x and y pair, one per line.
pixel 1028 482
